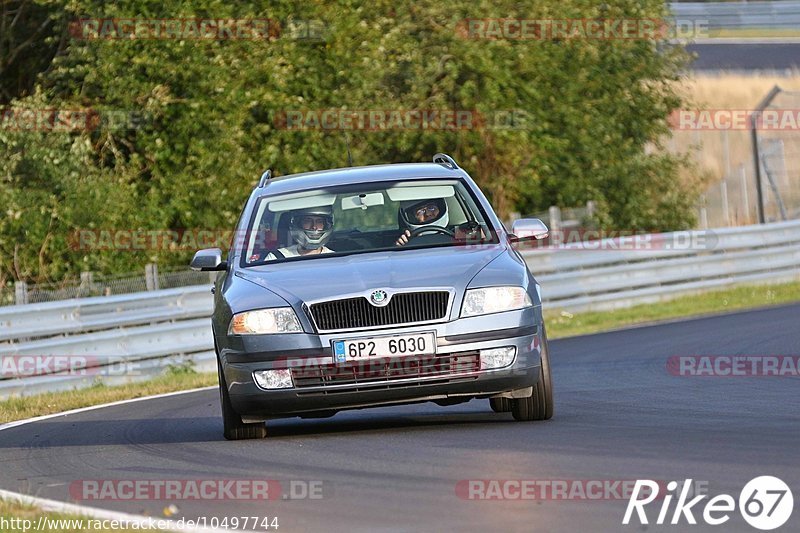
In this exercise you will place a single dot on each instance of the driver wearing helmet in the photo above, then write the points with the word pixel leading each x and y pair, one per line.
pixel 310 229
pixel 416 214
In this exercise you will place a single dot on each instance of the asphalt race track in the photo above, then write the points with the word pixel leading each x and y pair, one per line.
pixel 619 416
pixel 745 56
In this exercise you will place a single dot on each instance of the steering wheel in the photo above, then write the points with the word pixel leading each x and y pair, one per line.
pixel 431 227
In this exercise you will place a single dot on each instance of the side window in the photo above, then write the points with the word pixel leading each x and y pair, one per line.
pixel 238 234
pixel 261 237
pixel 279 230
pixel 455 212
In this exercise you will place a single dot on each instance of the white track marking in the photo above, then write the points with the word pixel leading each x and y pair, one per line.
pixel 17 423
pixel 93 512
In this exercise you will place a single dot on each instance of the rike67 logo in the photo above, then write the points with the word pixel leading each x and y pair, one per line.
pixel 765 503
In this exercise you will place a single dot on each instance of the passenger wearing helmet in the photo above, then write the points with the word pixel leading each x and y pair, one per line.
pixel 310 229
pixel 415 214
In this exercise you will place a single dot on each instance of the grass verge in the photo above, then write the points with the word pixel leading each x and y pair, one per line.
pixel 56 402
pixel 753 33
pixel 15 516
pixel 564 324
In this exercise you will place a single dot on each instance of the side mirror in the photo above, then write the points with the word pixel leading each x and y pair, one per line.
pixel 207 260
pixel 526 229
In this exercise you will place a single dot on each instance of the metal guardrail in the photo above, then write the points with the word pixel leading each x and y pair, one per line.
pixel 579 256
pixel 784 14
pixel 136 336
pixel 596 276
pixel 103 312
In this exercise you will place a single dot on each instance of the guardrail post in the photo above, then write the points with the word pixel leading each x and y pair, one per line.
pixel 745 198
pixel 555 218
pixel 151 276
pixel 20 292
pixel 87 279
pixel 702 212
pixel 723 192
pixel 87 286
pixel 591 209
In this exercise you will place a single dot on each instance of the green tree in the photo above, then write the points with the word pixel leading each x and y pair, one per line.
pixel 588 116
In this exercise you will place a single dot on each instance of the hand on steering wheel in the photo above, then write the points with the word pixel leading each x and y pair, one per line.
pixel 407 235
pixel 431 227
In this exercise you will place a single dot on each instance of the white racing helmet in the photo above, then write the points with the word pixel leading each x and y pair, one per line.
pixel 408 210
pixel 311 239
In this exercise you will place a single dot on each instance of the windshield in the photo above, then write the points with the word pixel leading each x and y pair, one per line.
pixel 395 216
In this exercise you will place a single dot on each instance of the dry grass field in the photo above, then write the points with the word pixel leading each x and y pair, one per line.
pixel 727 155
pixel 735 91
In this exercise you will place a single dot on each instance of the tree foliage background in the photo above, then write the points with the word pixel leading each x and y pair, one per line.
pixel 595 111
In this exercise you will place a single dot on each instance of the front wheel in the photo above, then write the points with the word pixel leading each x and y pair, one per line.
pixel 233 427
pixel 500 405
pixel 539 405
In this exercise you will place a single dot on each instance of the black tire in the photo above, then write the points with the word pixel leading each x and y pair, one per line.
pixel 500 405
pixel 539 405
pixel 233 427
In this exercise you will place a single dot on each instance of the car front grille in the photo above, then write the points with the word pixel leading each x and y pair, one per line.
pixel 403 308
pixel 386 373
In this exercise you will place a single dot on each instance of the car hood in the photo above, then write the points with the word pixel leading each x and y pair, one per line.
pixel 337 277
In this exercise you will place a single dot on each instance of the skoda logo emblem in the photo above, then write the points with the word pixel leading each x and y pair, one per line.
pixel 379 298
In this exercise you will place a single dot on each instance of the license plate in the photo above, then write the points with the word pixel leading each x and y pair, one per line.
pixel 386 346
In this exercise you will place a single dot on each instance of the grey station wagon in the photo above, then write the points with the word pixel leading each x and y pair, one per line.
pixel 372 286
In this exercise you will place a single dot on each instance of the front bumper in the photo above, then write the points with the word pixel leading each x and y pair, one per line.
pixel 459 340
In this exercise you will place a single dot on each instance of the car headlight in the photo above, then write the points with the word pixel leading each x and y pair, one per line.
pixel 265 321
pixel 494 300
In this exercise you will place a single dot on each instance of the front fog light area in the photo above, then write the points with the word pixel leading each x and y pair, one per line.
pixel 497 357
pixel 273 379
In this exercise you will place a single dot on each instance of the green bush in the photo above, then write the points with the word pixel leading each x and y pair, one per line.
pixel 207 119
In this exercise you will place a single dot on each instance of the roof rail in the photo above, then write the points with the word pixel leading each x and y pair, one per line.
pixel 446 160
pixel 265 177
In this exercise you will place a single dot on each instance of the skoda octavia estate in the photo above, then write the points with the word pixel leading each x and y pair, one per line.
pixel 372 286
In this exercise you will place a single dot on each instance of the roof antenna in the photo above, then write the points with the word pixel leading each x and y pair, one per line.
pixel 349 155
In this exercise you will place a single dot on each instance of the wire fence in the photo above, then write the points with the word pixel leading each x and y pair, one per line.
pixel 739 193
pixel 92 284
pixel 779 157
